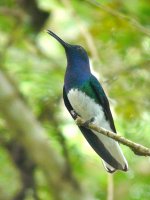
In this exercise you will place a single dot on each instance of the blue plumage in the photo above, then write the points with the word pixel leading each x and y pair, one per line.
pixel 77 71
pixel 84 96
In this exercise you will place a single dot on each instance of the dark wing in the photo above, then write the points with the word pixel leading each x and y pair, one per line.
pixel 92 139
pixel 68 105
pixel 102 100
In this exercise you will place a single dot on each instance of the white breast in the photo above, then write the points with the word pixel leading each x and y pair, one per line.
pixel 87 108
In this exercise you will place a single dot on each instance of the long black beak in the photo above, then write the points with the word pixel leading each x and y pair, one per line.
pixel 64 44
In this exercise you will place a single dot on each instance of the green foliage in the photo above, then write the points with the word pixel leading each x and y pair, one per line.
pixel 37 64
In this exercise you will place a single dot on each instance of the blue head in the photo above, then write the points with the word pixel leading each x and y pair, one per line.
pixel 78 68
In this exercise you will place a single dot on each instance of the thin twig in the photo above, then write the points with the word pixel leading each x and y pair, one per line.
pixel 121 16
pixel 138 149
pixel 110 187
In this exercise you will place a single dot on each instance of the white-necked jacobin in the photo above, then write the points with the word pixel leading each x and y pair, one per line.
pixel 84 96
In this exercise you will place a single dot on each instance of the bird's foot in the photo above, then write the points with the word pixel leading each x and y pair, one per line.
pixel 74 114
pixel 86 124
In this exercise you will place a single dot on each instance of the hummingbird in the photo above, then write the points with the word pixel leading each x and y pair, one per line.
pixel 84 96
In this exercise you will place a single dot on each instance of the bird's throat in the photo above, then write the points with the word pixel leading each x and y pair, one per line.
pixel 76 76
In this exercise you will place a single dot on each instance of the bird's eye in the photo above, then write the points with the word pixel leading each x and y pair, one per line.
pixel 79 48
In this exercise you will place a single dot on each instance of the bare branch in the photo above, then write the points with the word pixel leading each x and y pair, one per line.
pixel 136 148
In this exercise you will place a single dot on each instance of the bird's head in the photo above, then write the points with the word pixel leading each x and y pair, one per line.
pixel 75 53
